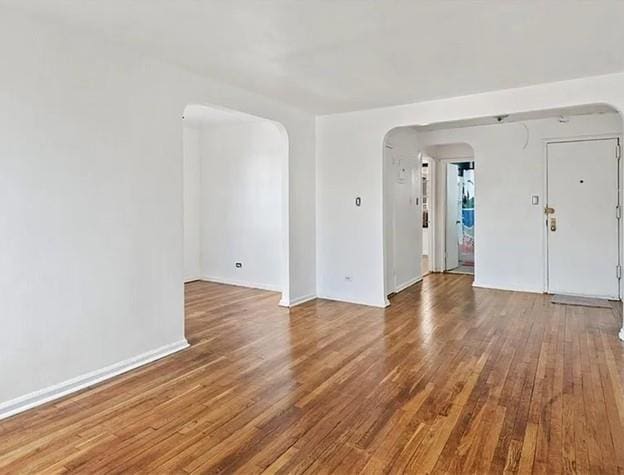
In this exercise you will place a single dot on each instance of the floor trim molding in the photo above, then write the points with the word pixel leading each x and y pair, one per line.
pixel 298 301
pixel 241 283
pixel 407 284
pixel 481 285
pixel 42 396
pixel 384 303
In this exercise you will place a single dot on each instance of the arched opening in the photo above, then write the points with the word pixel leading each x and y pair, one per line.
pixel 453 212
pixel 235 199
pixel 520 170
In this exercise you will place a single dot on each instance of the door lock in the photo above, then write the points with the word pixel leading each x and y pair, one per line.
pixel 549 210
pixel 553 224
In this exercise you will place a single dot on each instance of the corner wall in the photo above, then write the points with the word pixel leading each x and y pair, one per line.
pixel 403 232
pixel 192 207
pixel 350 163
pixel 91 205
pixel 509 170
pixel 241 204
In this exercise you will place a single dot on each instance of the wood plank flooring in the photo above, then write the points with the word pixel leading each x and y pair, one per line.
pixel 448 379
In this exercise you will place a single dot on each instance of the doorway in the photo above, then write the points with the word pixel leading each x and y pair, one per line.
pixel 582 215
pixel 426 194
pixel 235 199
pixel 460 214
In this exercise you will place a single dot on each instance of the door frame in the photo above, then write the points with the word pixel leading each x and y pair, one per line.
pixel 446 213
pixel 444 206
pixel 431 204
pixel 578 138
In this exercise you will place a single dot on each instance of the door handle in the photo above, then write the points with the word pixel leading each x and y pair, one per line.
pixel 553 224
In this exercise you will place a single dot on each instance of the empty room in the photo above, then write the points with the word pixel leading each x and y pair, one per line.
pixel 325 237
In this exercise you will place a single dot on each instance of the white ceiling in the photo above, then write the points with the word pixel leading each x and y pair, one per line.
pixel 196 114
pixel 563 113
pixel 338 55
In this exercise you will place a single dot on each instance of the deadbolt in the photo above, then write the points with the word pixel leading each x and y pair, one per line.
pixel 549 210
pixel 553 224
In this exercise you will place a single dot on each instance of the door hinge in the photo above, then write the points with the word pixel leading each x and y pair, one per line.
pixel 618 150
pixel 618 212
pixel 618 271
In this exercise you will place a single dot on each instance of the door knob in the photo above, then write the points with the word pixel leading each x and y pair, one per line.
pixel 553 224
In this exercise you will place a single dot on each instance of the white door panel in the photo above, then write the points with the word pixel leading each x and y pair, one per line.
pixel 583 192
pixel 452 212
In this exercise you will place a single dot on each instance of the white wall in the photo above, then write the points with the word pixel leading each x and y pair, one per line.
pixel 509 170
pixel 192 208
pixel 350 163
pixel 509 246
pixel 403 209
pixel 91 204
pixel 241 203
pixel 407 224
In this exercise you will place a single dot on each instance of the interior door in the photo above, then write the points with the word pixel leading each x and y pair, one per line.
pixel 581 219
pixel 452 213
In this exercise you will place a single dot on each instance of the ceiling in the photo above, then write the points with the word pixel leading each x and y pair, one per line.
pixel 196 114
pixel 338 55
pixel 563 113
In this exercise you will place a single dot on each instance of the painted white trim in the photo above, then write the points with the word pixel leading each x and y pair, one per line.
pixel 432 204
pixel 437 221
pixel 42 396
pixel 457 272
pixel 407 284
pixel 242 283
pixel 446 161
pixel 385 304
pixel 297 301
pixel 621 334
pixel 586 296
pixel 508 289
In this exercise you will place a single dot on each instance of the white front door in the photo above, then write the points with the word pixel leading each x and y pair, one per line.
pixel 582 227
pixel 452 217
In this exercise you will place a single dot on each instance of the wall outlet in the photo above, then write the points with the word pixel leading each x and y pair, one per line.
pixel 238 265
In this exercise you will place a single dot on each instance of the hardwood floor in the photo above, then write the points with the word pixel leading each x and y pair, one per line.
pixel 448 379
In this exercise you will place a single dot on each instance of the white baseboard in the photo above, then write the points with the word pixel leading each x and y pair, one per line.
pixel 383 304
pixel 36 398
pixel 242 283
pixel 407 284
pixel 298 301
pixel 511 289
